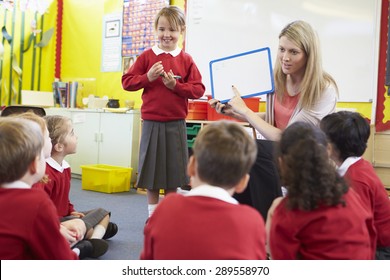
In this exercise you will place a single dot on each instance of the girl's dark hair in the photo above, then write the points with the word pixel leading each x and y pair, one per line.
pixel 306 170
pixel 348 132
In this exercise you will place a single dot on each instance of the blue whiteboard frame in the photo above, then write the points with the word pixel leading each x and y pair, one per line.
pixel 251 72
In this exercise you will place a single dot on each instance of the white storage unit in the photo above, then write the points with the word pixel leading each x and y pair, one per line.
pixel 103 138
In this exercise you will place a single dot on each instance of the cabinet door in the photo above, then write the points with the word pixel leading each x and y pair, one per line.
pixel 116 137
pixel 86 127
pixel 119 140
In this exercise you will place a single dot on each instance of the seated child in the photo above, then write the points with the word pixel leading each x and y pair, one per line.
pixel 348 133
pixel 64 142
pixel 207 222
pixel 29 226
pixel 73 230
pixel 320 218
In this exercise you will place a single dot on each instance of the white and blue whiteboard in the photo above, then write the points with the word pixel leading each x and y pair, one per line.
pixel 250 72
pixel 348 31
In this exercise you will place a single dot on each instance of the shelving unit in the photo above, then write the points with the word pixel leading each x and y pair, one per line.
pixel 194 126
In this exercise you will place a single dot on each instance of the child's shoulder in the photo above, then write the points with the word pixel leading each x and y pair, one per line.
pixel 25 198
pixel 185 54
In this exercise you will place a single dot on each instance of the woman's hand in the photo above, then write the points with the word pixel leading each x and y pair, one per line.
pixel 155 71
pixel 237 103
pixel 221 108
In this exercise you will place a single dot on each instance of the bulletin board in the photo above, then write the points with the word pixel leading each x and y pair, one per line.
pixel 138 31
pixel 238 70
pixel 348 31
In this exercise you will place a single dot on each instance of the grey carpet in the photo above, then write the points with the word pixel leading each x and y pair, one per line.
pixel 128 211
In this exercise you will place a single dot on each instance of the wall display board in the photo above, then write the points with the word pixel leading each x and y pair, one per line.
pixel 348 31
pixel 111 43
pixel 138 31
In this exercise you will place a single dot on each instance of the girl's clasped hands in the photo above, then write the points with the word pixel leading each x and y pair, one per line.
pixel 157 70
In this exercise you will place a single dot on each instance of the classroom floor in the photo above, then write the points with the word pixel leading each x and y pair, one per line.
pixel 128 211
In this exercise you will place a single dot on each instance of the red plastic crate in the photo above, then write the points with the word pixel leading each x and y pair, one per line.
pixel 252 103
pixel 198 105
pixel 197 110
pixel 196 115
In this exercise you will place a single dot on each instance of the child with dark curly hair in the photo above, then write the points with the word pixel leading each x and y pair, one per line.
pixel 320 218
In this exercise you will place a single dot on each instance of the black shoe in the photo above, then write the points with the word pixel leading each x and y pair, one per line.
pixel 111 230
pixel 85 247
pixel 100 247
pixel 91 248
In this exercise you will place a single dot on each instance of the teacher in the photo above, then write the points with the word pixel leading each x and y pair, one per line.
pixel 303 92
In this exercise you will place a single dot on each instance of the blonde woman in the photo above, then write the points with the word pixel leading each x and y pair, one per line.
pixel 303 92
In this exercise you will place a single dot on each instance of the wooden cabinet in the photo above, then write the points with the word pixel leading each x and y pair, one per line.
pixel 103 137
pixel 381 157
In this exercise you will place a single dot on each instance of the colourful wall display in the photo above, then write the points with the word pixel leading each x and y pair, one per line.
pixel 138 25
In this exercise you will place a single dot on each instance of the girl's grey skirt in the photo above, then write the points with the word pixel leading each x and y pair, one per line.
pixel 163 155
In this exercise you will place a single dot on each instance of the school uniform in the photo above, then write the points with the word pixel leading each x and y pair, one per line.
pixel 163 147
pixel 29 226
pixel 326 233
pixel 58 189
pixel 362 177
pixel 207 223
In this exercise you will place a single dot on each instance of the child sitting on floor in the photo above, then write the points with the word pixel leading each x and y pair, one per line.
pixel 73 230
pixel 320 218
pixel 64 142
pixel 348 133
pixel 207 222
pixel 29 226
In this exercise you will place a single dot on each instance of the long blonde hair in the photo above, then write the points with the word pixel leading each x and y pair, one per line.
pixel 58 128
pixel 315 79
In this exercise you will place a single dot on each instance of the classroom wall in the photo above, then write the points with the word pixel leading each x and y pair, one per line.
pixel 32 69
pixel 82 46
pixel 81 53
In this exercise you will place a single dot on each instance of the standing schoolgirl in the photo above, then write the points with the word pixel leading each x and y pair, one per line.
pixel 168 77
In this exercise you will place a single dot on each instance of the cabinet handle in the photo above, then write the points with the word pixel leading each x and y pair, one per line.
pixel 101 137
pixel 97 137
